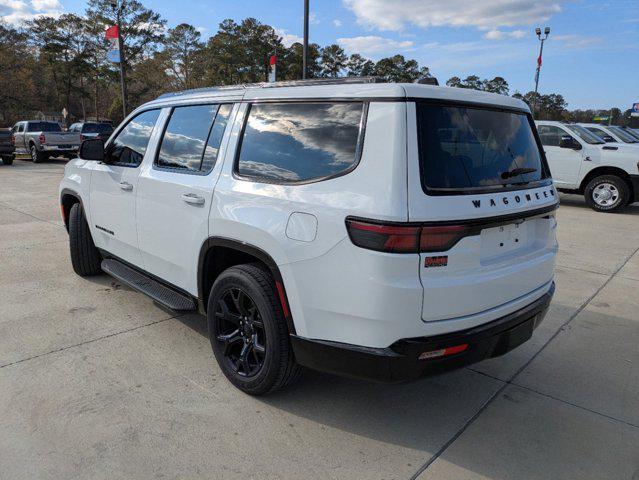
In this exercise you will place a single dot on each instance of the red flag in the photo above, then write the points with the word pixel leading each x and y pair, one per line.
pixel 539 61
pixel 111 32
pixel 272 60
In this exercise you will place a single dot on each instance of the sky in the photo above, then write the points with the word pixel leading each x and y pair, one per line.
pixel 591 56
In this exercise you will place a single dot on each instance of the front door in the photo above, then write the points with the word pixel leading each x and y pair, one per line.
pixel 564 163
pixel 176 189
pixel 113 189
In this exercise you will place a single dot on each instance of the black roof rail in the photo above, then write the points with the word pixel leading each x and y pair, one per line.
pixel 283 83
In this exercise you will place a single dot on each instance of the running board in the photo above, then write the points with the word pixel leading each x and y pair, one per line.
pixel 162 294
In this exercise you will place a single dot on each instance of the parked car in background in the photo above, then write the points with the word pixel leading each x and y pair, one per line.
pixel 606 174
pixel 631 131
pixel 376 230
pixel 88 130
pixel 7 148
pixel 610 133
pixel 43 139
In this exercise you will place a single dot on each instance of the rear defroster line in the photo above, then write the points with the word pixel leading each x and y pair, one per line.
pixel 509 382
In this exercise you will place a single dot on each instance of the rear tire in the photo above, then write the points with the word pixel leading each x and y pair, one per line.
pixel 607 193
pixel 8 160
pixel 85 257
pixel 36 156
pixel 244 315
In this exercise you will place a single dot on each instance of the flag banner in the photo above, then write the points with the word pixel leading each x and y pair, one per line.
pixel 111 32
pixel 272 68
pixel 113 56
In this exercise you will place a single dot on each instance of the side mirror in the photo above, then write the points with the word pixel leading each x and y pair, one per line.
pixel 568 142
pixel 92 149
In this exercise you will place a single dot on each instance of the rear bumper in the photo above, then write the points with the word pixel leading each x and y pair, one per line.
pixel 400 362
pixel 56 148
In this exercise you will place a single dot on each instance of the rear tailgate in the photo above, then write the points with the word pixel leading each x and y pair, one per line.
pixel 62 139
pixel 502 239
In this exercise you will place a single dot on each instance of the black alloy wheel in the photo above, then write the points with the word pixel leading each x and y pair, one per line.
pixel 240 331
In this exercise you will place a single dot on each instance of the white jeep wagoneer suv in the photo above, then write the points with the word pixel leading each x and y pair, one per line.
pixel 375 230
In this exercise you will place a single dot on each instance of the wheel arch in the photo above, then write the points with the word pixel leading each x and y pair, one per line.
pixel 68 198
pixel 219 253
pixel 599 171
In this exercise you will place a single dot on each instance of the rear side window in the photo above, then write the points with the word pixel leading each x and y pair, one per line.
pixel 129 146
pixel 475 149
pixel 192 137
pixel 295 142
pixel 550 135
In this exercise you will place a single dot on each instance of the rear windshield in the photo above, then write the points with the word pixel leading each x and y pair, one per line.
pixel 621 133
pixel 44 127
pixel 468 148
pixel 97 128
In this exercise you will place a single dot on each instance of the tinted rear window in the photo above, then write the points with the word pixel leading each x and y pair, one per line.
pixel 44 127
pixel 464 148
pixel 97 128
pixel 293 142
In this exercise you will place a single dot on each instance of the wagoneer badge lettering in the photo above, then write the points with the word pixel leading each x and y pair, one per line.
pixel 517 198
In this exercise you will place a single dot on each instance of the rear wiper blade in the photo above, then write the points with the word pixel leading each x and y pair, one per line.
pixel 517 171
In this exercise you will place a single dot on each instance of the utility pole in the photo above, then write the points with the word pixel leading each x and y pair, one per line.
pixel 118 11
pixel 305 44
pixel 541 51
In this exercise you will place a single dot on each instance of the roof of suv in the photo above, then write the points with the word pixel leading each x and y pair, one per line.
pixel 322 89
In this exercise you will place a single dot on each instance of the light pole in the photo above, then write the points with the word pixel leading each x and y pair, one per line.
pixel 305 44
pixel 541 51
pixel 118 13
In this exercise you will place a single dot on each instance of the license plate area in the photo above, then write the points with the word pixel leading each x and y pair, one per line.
pixel 504 239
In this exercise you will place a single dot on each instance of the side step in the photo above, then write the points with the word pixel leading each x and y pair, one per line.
pixel 162 294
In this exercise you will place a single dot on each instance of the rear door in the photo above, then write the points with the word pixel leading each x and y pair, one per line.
pixel 175 190
pixel 19 135
pixel 114 186
pixel 480 188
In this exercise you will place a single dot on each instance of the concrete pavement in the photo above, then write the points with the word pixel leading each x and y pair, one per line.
pixel 96 382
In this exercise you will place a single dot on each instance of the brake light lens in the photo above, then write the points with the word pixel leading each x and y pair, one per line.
pixel 406 238
pixel 13 140
pixel 42 138
pixel 82 138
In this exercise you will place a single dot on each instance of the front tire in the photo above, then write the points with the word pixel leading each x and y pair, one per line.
pixel 8 160
pixel 85 257
pixel 607 193
pixel 248 331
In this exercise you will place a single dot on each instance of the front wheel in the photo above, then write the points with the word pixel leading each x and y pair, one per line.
pixel 85 257
pixel 607 193
pixel 8 160
pixel 248 331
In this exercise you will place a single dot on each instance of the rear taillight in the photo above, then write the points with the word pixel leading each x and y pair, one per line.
pixel 406 238
pixel 42 138
pixel 13 140
pixel 82 138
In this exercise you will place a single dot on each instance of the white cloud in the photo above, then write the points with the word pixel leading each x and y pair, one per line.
pixel 337 23
pixel 496 34
pixel 288 39
pixel 313 18
pixel 17 11
pixel 485 14
pixel 372 44
pixel 576 41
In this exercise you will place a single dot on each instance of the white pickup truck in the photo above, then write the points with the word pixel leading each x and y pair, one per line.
pixel 607 174
pixel 43 139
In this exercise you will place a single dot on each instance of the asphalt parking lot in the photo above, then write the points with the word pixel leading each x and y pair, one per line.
pixel 97 382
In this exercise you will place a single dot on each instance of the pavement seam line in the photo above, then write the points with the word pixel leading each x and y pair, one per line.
pixel 97 339
pixel 558 399
pixel 509 382
pixel 30 215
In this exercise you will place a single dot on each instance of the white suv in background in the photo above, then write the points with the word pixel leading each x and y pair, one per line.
pixel 606 174
pixel 383 231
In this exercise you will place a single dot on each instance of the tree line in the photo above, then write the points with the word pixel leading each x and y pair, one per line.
pixel 53 63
